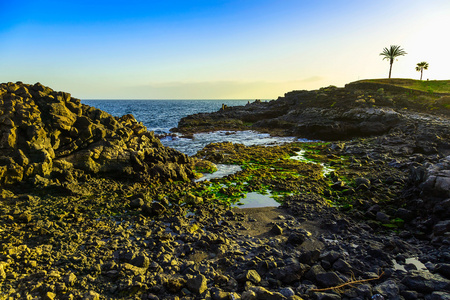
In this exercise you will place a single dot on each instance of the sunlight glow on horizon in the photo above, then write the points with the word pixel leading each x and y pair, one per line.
pixel 216 49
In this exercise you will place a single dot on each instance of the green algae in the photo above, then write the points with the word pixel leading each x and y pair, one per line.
pixel 264 170
pixel 272 170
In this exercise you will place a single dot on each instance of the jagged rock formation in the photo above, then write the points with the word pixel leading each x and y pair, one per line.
pixel 44 133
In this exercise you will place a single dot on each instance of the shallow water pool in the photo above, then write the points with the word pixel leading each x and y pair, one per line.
pixel 411 260
pixel 254 199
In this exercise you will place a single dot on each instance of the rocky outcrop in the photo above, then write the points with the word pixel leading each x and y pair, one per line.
pixel 338 114
pixel 47 134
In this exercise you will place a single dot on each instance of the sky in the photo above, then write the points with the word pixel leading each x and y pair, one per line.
pixel 216 49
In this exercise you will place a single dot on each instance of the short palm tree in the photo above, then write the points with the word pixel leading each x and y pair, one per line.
pixel 420 67
pixel 390 54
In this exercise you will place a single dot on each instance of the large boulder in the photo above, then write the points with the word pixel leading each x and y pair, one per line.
pixel 45 133
pixel 437 178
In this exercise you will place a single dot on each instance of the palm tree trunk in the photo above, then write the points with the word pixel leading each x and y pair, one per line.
pixel 390 69
pixel 421 73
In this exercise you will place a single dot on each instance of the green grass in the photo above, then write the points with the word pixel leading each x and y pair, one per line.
pixel 435 86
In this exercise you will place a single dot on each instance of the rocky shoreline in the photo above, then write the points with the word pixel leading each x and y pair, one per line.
pixel 332 114
pixel 94 207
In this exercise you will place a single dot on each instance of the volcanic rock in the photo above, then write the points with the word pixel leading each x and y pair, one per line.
pixel 48 134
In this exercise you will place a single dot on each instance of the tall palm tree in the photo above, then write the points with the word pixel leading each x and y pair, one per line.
pixel 390 54
pixel 420 67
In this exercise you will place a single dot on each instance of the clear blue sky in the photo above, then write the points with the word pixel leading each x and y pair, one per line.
pixel 242 49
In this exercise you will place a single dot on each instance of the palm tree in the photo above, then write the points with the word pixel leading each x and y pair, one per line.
pixel 391 53
pixel 420 67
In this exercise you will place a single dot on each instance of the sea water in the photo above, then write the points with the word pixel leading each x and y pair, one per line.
pixel 161 116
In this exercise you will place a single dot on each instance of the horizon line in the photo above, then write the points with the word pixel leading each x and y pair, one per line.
pixel 174 99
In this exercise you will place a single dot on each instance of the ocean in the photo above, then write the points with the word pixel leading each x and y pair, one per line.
pixel 162 115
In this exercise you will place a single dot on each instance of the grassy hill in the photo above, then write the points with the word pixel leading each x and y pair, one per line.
pixel 422 95
pixel 427 86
